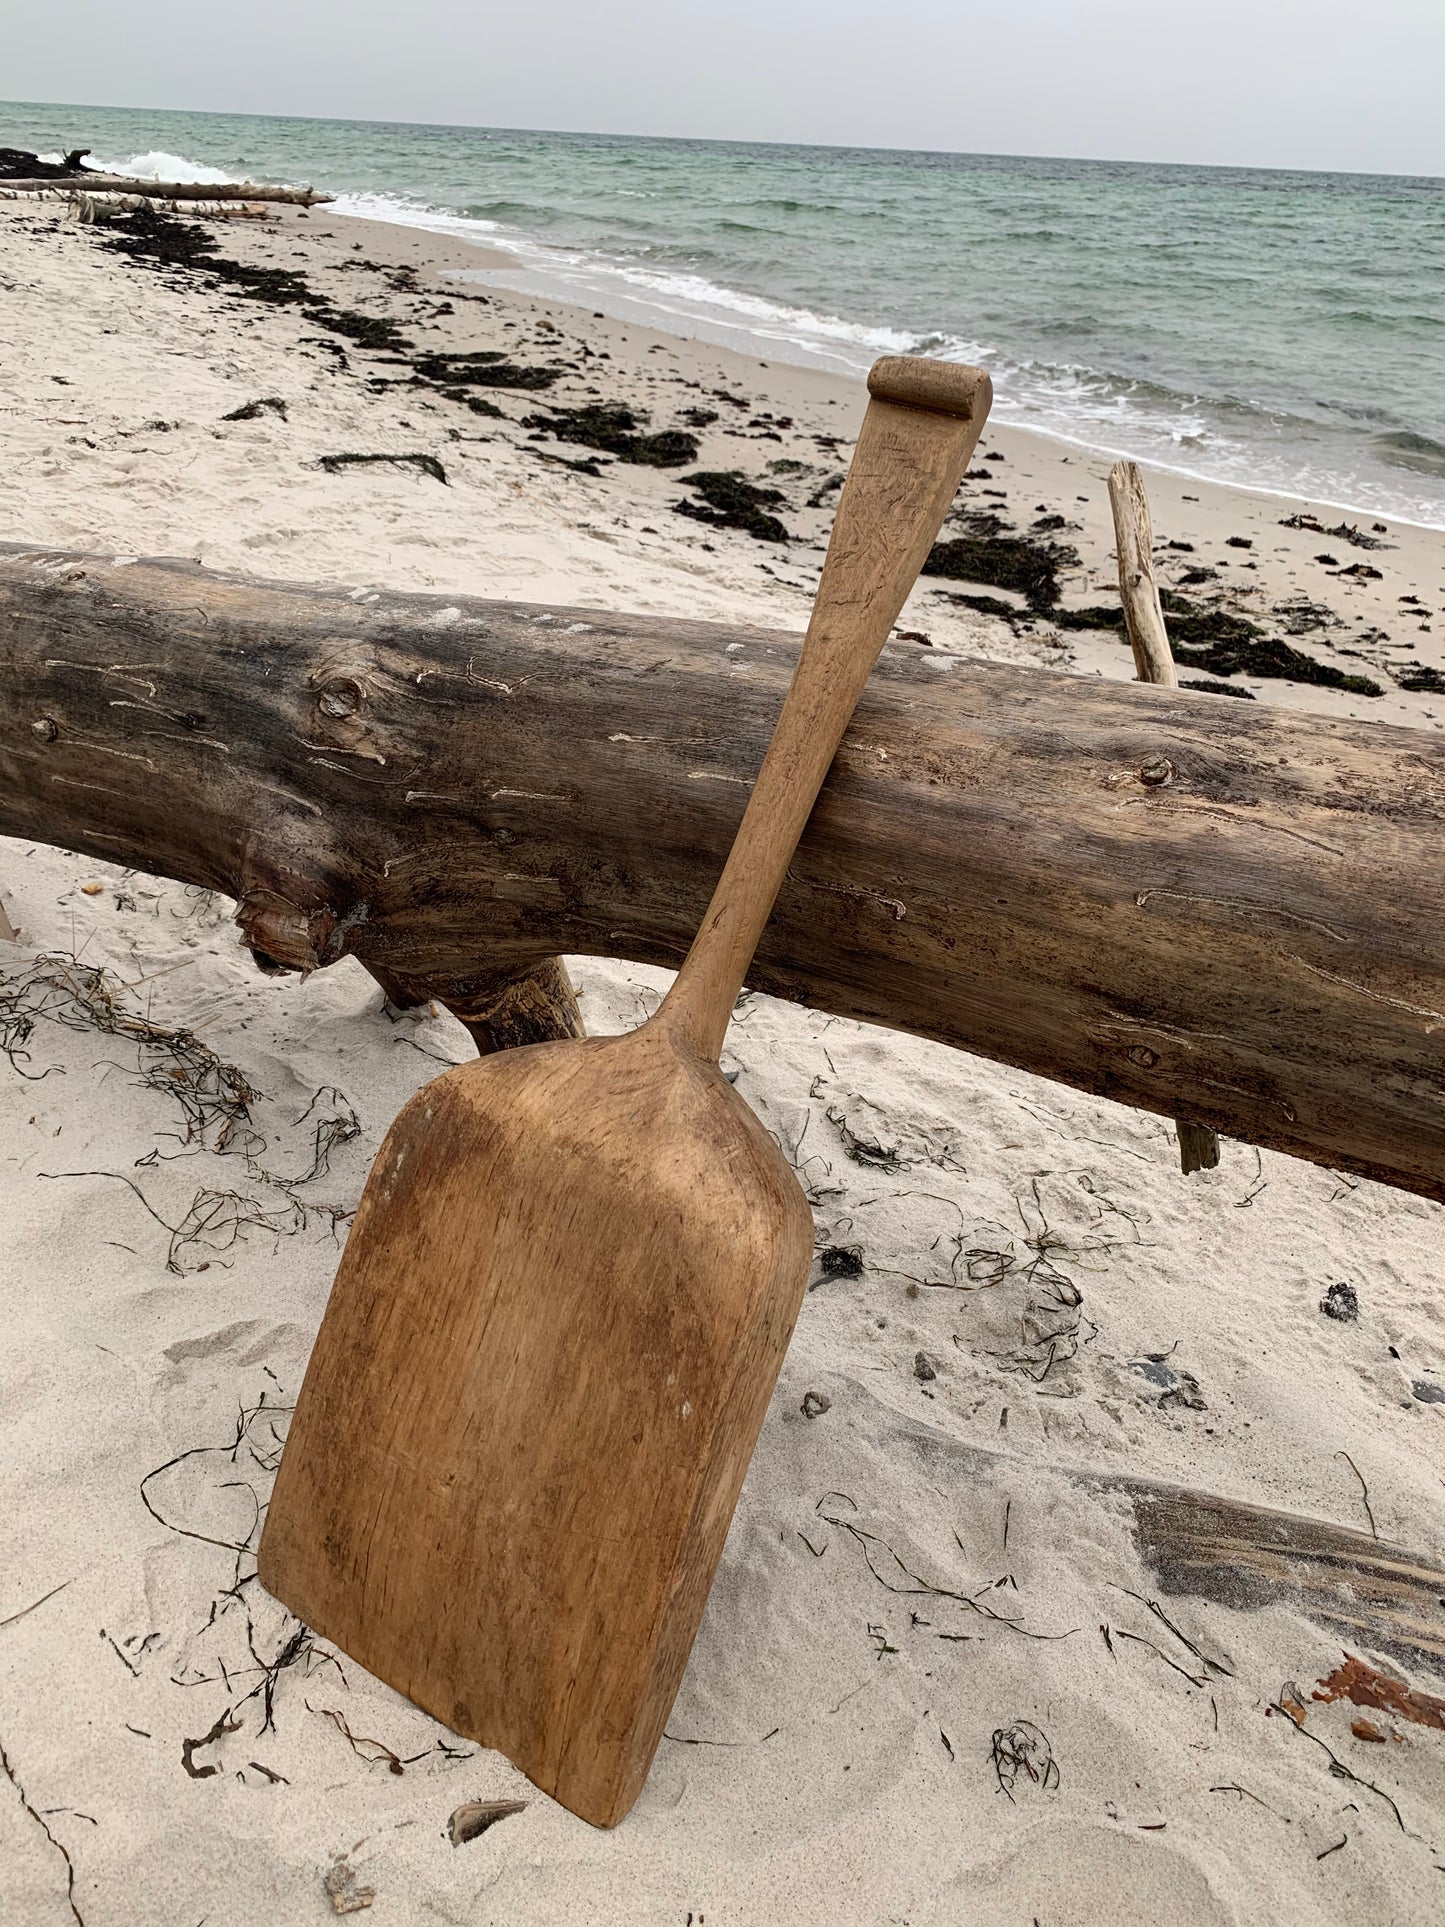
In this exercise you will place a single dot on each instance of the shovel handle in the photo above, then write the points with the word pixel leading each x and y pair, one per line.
pixel 924 419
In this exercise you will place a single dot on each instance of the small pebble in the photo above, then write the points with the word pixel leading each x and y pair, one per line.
pixel 1427 1393
pixel 91 889
pixel 815 1404
pixel 923 1367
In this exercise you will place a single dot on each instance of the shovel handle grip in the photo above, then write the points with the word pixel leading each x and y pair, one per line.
pixel 924 419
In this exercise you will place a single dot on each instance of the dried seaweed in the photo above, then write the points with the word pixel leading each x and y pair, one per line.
pixel 1023 1748
pixel 731 501
pixel 251 411
pixel 1216 688
pixel 1098 615
pixel 1029 568
pixel 428 464
pixel 1337 1766
pixel 616 429
pixel 379 1755
pixel 1225 643
pixel 35 1814
pixel 338 1125
pixel 264 1453
pixel 189 1748
pixel 156 239
pixel 215 1097
pixel 487 369
pixel 35 1604
pixel 868 1541
pixel 1342 532
pixel 841 1261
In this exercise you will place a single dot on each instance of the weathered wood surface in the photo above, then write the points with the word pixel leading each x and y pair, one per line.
pixel 1134 539
pixel 88 183
pixel 574 1273
pixel 1206 908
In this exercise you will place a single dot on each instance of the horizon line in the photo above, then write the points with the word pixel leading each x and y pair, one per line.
pixel 710 140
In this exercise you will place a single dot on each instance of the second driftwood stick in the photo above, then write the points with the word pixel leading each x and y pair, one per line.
pixel 1153 662
pixel 87 182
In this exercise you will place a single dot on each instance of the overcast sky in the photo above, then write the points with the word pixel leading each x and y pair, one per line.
pixel 1338 84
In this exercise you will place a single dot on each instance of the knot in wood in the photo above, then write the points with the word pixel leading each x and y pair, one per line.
pixel 1141 1055
pixel 281 935
pixel 46 728
pixel 1157 773
pixel 341 698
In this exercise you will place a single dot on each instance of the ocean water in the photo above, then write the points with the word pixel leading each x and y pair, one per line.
pixel 1281 330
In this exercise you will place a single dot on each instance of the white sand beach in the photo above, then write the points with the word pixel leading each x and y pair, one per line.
pixel 939 1681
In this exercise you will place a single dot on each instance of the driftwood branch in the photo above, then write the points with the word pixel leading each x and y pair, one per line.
pixel 1134 539
pixel 1234 917
pixel 88 183
pixel 1153 662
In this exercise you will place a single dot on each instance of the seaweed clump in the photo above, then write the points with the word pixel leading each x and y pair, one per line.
pixel 1224 644
pixel 1423 680
pixel 1216 688
pixel 366 330
pixel 484 369
pixel 1014 562
pixel 617 430
pixel 19 164
pixel 731 501
pixel 1098 615
pixel 428 464
pixel 150 235
pixel 161 241
pixel 251 411
pixel 1342 532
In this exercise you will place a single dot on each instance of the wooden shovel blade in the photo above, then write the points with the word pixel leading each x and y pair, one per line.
pixel 542 1371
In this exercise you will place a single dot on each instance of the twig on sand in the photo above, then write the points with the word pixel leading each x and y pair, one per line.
pixel 1337 1765
pixel 35 1604
pixel 868 1540
pixel 190 1748
pixel 383 1754
pixel 39 1820
pixel 1364 1492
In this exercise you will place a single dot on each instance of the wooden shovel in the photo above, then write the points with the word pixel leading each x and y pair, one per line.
pixel 575 1270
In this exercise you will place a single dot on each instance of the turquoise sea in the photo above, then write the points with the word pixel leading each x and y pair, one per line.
pixel 1281 330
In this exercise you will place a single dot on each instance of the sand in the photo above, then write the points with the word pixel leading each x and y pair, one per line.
pixel 840 1751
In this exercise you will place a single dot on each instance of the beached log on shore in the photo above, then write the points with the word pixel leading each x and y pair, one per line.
pixel 1208 909
pixel 87 183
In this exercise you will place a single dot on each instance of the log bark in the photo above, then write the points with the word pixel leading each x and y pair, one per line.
pixel 88 183
pixel 1143 893
pixel 1153 662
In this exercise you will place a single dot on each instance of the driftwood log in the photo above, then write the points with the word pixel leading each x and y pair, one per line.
pixel 1144 893
pixel 86 182
pixel 1363 1590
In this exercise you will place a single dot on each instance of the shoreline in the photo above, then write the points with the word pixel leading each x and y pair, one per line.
pixel 1214 415
pixel 1372 610
pixel 1017 1277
